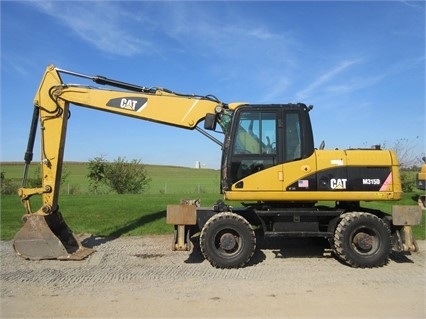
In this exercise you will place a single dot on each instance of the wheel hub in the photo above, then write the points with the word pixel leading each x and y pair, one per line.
pixel 228 242
pixel 363 241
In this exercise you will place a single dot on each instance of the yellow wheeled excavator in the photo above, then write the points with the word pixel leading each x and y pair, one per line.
pixel 269 164
pixel 421 183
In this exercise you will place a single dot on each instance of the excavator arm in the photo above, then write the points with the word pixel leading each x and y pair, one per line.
pixel 45 234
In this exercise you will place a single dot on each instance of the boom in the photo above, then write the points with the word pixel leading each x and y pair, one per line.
pixel 51 108
pixel 52 102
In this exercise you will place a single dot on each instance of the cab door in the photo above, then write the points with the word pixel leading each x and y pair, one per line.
pixel 254 149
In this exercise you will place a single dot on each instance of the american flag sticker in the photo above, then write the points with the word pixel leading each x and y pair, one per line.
pixel 304 183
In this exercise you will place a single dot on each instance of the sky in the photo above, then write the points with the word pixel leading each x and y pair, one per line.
pixel 361 64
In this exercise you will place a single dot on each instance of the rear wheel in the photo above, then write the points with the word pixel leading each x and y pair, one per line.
pixel 227 240
pixel 362 240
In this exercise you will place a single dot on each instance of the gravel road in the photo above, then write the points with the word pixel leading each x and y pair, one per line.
pixel 135 277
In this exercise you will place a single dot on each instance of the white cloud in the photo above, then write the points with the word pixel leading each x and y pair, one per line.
pixel 102 24
pixel 324 78
pixel 133 28
pixel 276 91
pixel 416 5
pixel 369 79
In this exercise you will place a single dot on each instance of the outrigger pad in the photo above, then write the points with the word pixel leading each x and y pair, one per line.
pixel 48 237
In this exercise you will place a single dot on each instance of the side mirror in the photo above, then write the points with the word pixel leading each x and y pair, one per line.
pixel 210 122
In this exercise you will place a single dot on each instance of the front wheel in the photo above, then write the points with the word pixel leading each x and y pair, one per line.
pixel 227 240
pixel 362 240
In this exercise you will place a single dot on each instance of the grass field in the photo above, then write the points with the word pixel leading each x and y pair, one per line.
pixel 112 214
pixel 117 215
pixel 164 179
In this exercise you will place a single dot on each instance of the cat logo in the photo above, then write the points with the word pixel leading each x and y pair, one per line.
pixel 136 104
pixel 128 104
pixel 338 183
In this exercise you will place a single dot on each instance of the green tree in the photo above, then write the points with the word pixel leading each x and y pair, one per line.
pixel 408 181
pixel 121 176
pixel 408 151
pixel 409 155
pixel 7 185
pixel 97 172
pixel 127 177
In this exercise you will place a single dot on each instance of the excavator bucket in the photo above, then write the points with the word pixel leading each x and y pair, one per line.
pixel 48 237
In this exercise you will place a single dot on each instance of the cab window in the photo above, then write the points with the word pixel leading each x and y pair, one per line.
pixel 292 142
pixel 256 134
pixel 254 147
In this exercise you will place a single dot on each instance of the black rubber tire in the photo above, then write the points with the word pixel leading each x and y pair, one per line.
pixel 362 240
pixel 231 230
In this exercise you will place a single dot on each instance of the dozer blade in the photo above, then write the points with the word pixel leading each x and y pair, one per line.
pixel 48 237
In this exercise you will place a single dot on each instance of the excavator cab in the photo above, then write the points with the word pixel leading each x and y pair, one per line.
pixel 263 137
